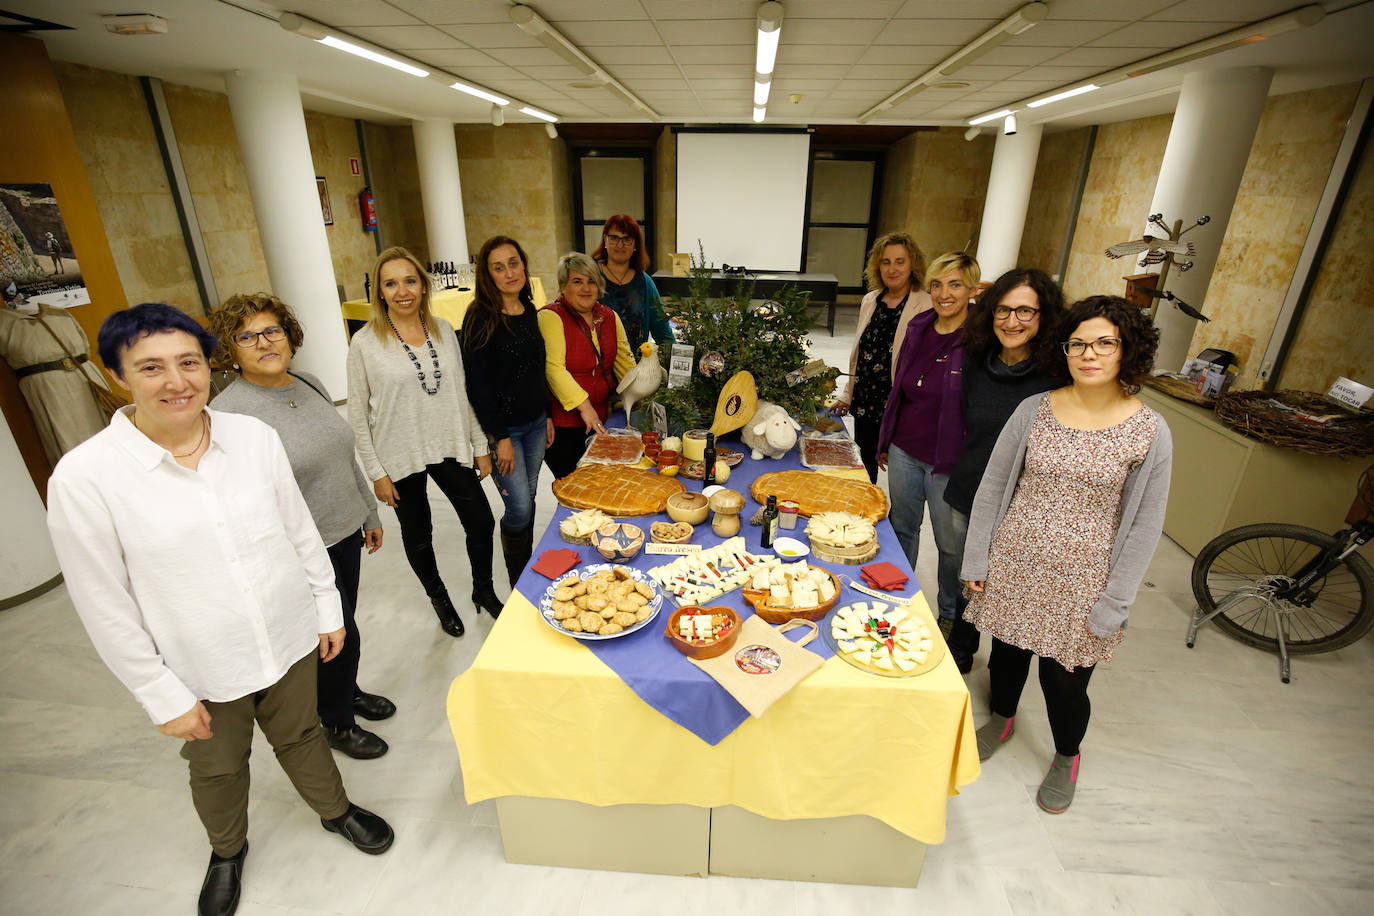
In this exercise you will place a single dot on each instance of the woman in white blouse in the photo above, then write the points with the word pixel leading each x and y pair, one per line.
pixel 198 572
pixel 413 421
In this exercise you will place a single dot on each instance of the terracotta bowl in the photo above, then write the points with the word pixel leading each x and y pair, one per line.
pixel 690 507
pixel 706 650
pixel 618 541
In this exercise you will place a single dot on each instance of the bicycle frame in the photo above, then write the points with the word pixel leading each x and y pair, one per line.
pixel 1346 542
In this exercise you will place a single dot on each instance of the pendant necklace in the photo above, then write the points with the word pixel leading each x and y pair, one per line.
pixel 433 356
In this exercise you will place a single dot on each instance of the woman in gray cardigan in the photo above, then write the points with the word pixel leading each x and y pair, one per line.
pixel 1063 527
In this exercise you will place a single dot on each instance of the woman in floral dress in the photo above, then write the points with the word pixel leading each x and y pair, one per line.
pixel 1063 528
pixel 894 272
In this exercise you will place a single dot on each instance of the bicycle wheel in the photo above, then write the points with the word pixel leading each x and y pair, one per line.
pixel 1335 611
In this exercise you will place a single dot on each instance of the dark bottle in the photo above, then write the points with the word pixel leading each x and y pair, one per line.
pixel 708 462
pixel 770 522
pixel 367 287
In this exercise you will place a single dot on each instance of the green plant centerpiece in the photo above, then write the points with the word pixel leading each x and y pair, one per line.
pixel 768 339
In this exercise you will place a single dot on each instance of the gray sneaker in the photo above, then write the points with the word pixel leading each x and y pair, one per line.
pixel 1056 792
pixel 994 734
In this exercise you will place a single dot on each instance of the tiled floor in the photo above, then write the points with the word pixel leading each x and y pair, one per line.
pixel 1207 786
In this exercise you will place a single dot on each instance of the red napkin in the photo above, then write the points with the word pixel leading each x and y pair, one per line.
pixel 884 576
pixel 554 563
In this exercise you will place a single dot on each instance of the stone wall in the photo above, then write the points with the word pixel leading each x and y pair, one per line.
pixel 1051 202
pixel 934 184
pixel 396 187
pixel 333 142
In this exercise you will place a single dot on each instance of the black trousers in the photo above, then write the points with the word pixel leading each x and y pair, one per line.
pixel 336 681
pixel 1066 692
pixel 866 430
pixel 569 442
pixel 464 491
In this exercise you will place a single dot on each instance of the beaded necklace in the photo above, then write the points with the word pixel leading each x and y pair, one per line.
pixel 434 356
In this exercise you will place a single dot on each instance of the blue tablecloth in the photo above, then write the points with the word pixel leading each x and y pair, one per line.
pixel 646 661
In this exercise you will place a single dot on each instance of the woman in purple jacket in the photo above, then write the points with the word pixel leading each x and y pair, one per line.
pixel 923 423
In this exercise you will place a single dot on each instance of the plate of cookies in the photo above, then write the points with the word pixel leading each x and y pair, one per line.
pixel 603 601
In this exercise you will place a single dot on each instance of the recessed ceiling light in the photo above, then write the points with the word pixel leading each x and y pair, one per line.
pixel 952 84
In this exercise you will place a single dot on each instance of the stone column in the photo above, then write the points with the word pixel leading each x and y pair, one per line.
pixel 28 564
pixel 270 124
pixel 436 154
pixel 1004 210
pixel 1209 144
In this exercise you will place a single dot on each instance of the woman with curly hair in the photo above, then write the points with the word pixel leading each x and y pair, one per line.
pixel 1063 528
pixel 1006 360
pixel 259 334
pixel 894 272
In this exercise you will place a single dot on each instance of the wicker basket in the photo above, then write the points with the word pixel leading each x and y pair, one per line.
pixel 1252 414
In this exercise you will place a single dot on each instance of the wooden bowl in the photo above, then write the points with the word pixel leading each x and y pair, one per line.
pixel 778 615
pixel 689 507
pixel 618 541
pixel 654 536
pixel 709 650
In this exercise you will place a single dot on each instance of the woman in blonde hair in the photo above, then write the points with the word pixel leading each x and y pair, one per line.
pixel 412 420
pixel 923 422
pixel 894 272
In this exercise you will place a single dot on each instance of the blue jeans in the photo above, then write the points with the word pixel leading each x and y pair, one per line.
pixel 518 488
pixel 914 486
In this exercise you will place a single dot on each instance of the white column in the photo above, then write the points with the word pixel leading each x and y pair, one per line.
pixel 1004 210
pixel 436 154
pixel 270 124
pixel 27 560
pixel 1209 144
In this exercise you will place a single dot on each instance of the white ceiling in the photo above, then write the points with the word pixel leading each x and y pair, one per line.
pixel 692 60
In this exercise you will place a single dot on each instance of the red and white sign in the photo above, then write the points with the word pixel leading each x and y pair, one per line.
pixel 355 167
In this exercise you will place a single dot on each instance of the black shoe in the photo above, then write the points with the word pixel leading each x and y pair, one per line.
pixel 374 707
pixel 449 620
pixel 219 895
pixel 365 830
pixel 963 662
pixel 356 741
pixel 484 599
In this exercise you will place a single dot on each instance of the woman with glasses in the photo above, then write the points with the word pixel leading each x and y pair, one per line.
pixel 894 272
pixel 630 291
pixel 412 421
pixel 923 421
pixel 503 355
pixel 1006 360
pixel 1063 528
pixel 259 334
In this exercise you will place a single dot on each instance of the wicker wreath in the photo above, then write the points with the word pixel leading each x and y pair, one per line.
pixel 1251 413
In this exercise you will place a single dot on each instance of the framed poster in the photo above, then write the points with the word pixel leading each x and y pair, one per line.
pixel 322 186
pixel 37 261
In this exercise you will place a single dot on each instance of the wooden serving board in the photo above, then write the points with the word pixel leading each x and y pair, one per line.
pixel 851 555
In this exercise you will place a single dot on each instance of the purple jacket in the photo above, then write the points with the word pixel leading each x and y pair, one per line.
pixel 926 420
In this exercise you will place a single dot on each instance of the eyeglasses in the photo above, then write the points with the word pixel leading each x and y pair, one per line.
pixel 619 241
pixel 1103 346
pixel 247 339
pixel 1022 312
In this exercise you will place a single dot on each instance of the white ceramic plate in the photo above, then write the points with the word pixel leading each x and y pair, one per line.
pixel 790 549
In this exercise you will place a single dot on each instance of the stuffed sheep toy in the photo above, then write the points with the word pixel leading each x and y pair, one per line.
pixel 771 432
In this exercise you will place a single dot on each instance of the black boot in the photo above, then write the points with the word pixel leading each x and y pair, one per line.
pixel 484 598
pixel 449 620
pixel 219 895
pixel 517 546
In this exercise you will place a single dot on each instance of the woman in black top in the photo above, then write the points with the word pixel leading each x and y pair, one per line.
pixel 1006 360
pixel 503 356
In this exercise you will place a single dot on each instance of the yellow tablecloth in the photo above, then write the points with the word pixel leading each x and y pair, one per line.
pixel 539 715
pixel 448 304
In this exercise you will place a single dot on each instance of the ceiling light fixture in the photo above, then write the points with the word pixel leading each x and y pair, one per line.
pixel 1024 18
pixel 134 24
pixel 478 92
pixel 309 28
pixel 989 117
pixel 540 29
pixel 1061 96
pixel 761 88
pixel 1301 18
pixel 769 22
pixel 541 115
pixel 1009 125
pixel 759 114
pixel 498 116
pixel 973 133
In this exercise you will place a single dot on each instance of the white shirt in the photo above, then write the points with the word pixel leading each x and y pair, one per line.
pixel 193 585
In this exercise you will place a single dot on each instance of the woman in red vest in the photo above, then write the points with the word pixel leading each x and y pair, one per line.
pixel 586 352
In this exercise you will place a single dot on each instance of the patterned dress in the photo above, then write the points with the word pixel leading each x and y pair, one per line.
pixel 1050 558
pixel 873 368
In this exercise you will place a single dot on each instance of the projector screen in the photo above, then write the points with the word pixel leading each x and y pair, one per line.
pixel 743 195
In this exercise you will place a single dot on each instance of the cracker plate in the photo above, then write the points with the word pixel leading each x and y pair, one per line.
pixel 586 572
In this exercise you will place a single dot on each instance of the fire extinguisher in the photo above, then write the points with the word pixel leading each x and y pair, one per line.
pixel 368 208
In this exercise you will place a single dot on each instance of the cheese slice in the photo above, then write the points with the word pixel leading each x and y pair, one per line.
pixel 864 656
pixel 884 663
pixel 905 663
pixel 847 645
